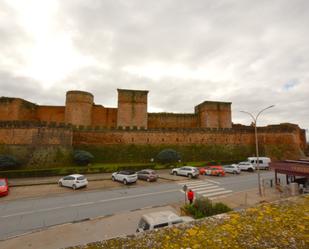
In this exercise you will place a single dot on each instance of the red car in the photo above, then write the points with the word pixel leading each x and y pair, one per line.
pixel 212 170
pixel 4 187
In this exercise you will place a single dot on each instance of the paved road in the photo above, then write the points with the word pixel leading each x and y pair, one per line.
pixel 18 217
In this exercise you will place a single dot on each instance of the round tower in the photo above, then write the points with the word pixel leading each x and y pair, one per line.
pixel 78 108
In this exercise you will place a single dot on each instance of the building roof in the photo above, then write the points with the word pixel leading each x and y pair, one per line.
pixel 292 167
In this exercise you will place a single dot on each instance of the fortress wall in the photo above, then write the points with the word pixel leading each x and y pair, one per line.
pixel 185 137
pixel 17 109
pixel 106 117
pixel 36 136
pixel 171 120
pixel 51 113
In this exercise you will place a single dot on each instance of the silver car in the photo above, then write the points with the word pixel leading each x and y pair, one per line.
pixel 125 176
pixel 73 181
pixel 188 171
pixel 233 169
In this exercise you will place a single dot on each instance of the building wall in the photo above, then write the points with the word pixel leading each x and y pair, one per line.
pixel 132 108
pixel 106 117
pixel 17 109
pixel 171 120
pixel 78 108
pixel 211 114
pixel 51 114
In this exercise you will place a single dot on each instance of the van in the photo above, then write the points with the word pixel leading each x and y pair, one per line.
pixel 160 219
pixel 263 162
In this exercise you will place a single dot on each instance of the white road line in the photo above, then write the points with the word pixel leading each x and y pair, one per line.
pixel 209 187
pixel 89 203
pixel 199 185
pixel 218 193
pixel 210 190
pixel 213 181
pixel 182 183
pixel 81 204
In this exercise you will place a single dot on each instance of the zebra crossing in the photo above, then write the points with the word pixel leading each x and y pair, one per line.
pixel 208 188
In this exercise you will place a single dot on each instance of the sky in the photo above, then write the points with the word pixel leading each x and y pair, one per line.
pixel 251 53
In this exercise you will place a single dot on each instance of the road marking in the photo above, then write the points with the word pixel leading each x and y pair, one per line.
pixel 198 185
pixel 89 203
pixel 213 181
pixel 218 193
pixel 208 187
pixel 81 204
pixel 210 190
pixel 185 182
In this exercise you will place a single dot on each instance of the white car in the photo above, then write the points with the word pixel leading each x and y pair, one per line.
pixel 246 166
pixel 160 219
pixel 188 171
pixel 233 169
pixel 73 181
pixel 125 176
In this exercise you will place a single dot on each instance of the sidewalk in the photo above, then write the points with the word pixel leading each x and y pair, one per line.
pixel 73 234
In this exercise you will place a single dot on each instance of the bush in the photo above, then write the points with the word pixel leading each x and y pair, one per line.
pixel 168 156
pixel 7 161
pixel 203 207
pixel 82 157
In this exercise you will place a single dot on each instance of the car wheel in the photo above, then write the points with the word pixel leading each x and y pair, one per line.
pixel 250 170
pixel 113 179
pixel 190 176
pixel 175 173
pixel 125 182
pixel 60 184
pixel 74 186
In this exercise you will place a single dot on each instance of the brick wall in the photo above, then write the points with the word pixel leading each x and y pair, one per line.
pixel 106 117
pixel 171 120
pixel 51 114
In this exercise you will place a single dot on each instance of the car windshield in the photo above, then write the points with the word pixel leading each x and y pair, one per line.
pixel 81 178
pixel 2 183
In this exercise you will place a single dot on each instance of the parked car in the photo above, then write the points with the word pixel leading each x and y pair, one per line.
pixel 215 171
pixel 188 171
pixel 125 176
pixel 74 181
pixel 147 174
pixel 246 166
pixel 263 162
pixel 4 187
pixel 233 169
pixel 203 169
pixel 160 219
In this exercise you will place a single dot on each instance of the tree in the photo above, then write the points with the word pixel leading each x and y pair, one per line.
pixel 8 161
pixel 168 156
pixel 82 157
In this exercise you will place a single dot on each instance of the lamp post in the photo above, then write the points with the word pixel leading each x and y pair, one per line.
pixel 255 118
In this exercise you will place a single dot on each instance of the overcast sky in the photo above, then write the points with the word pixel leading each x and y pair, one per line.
pixel 251 53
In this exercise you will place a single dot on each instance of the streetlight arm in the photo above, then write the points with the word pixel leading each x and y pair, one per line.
pixel 263 110
pixel 254 119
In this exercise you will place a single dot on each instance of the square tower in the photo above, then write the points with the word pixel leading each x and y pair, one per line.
pixel 213 114
pixel 132 108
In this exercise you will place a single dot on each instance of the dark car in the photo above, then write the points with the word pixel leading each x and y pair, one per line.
pixel 147 175
pixel 4 187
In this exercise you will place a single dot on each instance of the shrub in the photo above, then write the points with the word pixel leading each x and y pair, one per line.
pixel 203 207
pixel 168 156
pixel 8 161
pixel 82 157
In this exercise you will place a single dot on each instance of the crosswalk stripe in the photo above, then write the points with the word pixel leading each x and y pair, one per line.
pixel 207 187
pixel 186 182
pixel 210 190
pixel 217 193
pixel 199 185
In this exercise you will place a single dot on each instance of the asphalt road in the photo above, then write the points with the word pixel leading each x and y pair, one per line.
pixel 22 216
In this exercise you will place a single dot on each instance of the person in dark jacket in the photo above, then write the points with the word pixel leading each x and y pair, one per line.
pixel 190 196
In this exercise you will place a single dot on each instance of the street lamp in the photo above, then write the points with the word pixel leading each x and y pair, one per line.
pixel 256 143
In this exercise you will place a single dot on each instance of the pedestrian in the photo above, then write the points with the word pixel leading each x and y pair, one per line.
pixel 190 196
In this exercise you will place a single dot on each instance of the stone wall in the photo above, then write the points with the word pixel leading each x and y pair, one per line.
pixel 106 117
pixel 51 114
